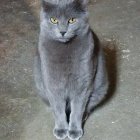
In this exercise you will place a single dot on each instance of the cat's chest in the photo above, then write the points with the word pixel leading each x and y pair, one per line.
pixel 66 61
pixel 67 67
pixel 64 55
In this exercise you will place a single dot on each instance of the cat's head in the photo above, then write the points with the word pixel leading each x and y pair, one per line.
pixel 64 19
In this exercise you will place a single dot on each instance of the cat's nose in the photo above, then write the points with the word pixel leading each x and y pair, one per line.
pixel 62 33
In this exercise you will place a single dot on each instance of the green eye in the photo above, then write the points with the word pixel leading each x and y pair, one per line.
pixel 72 20
pixel 53 20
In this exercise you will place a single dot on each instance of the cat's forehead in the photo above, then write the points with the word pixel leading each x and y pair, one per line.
pixel 68 10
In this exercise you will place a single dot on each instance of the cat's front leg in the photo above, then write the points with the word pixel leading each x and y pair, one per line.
pixel 61 126
pixel 78 105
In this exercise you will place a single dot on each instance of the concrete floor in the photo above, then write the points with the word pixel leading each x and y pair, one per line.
pixel 23 116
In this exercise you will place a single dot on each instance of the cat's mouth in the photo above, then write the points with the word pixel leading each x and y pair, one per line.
pixel 64 40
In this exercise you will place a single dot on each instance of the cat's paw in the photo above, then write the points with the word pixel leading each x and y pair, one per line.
pixel 60 133
pixel 75 134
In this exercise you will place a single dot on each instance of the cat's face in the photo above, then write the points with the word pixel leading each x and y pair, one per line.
pixel 64 21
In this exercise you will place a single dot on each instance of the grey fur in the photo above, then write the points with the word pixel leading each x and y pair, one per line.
pixel 69 70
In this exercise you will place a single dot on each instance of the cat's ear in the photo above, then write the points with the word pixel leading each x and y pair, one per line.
pixel 47 5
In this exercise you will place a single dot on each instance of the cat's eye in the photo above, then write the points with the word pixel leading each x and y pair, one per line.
pixel 72 20
pixel 54 20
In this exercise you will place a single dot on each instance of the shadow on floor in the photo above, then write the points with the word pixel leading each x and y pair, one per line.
pixel 110 51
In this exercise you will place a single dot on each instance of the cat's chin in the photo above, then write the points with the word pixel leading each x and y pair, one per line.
pixel 63 40
pixel 66 40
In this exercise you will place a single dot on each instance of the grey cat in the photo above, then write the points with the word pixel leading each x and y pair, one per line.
pixel 69 69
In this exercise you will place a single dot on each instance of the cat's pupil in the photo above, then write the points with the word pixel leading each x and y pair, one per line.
pixel 72 20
